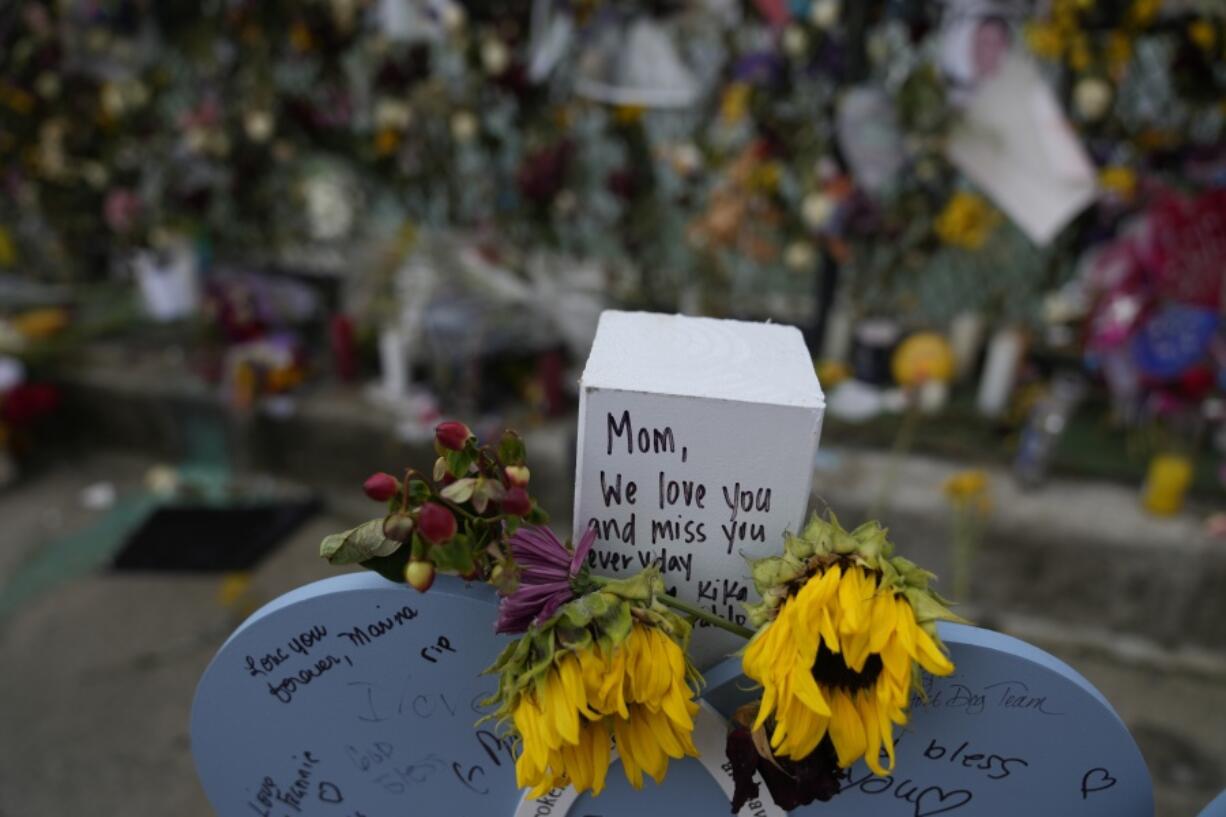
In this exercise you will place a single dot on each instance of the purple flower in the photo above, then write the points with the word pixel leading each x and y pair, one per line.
pixel 546 567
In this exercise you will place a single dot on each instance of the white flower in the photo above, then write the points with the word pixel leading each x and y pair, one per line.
pixel 816 210
pixel 135 94
pixel 824 13
pixel 463 126
pixel 48 85
pixel 799 256
pixel 686 158
pixel 95 174
pixel 494 56
pixel 195 139
pixel 392 113
pixel 795 40
pixel 112 99
pixel 1091 98
pixel 329 211
pixel 452 17
pixel 258 125
pixel 565 203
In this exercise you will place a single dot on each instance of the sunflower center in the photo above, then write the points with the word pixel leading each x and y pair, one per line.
pixel 829 670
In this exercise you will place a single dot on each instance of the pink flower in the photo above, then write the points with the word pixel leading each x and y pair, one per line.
pixel 546 568
pixel 121 209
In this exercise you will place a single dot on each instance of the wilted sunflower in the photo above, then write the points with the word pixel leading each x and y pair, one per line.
pixel 610 664
pixel 844 629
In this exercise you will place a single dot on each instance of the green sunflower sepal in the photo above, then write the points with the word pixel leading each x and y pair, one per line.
pixel 600 618
pixel 823 542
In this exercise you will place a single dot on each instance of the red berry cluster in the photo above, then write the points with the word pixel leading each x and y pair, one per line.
pixel 457 519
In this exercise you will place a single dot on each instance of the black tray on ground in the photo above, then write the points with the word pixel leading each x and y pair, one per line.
pixel 203 538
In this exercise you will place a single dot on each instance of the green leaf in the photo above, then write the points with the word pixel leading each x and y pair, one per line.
pixel 458 462
pixel 419 491
pixel 390 567
pixel 511 449
pixel 455 556
pixel 537 515
pixel 358 544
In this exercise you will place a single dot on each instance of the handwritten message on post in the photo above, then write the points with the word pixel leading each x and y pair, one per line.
pixel 692 486
pixel 1011 733
pixel 355 703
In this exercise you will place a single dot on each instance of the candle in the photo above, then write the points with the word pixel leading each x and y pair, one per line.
pixel 393 363
pixel 836 342
pixel 966 338
pixel 872 349
pixel 1000 371
pixel 1166 483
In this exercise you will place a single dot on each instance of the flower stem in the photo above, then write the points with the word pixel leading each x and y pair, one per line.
pixel 685 607
pixel 703 615
pixel 900 449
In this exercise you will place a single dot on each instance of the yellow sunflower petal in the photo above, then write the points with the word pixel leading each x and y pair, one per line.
pixel 930 656
pixel 846 730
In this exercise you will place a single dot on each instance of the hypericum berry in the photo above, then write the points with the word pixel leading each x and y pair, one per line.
pixel 452 435
pixel 516 502
pixel 398 527
pixel 435 523
pixel 518 475
pixel 381 487
pixel 419 575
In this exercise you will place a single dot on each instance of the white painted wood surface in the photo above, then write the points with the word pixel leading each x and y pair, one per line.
pixel 680 420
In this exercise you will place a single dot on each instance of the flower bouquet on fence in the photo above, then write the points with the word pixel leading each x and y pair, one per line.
pixel 599 666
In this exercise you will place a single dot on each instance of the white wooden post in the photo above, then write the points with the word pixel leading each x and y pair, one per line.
pixel 696 446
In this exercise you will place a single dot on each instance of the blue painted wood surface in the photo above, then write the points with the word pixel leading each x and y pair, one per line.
pixel 355 696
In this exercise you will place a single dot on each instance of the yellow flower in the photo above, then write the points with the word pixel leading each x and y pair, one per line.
pixel 1119 54
pixel 966 221
pixel 765 177
pixel 839 660
pixel 609 664
pixel 16 99
pixel 637 693
pixel 8 252
pixel 40 324
pixel 1079 53
pixel 300 38
pixel 1143 12
pixel 923 357
pixel 1045 40
pixel 628 114
pixel 1203 34
pixel 1121 181
pixel 968 488
pixel 735 102
pixel 830 373
pixel 386 141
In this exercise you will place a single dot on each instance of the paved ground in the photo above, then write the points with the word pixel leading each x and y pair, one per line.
pixel 99 667
pixel 99 672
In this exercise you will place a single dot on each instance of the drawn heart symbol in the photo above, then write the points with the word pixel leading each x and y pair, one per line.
pixel 941 801
pixel 1096 779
